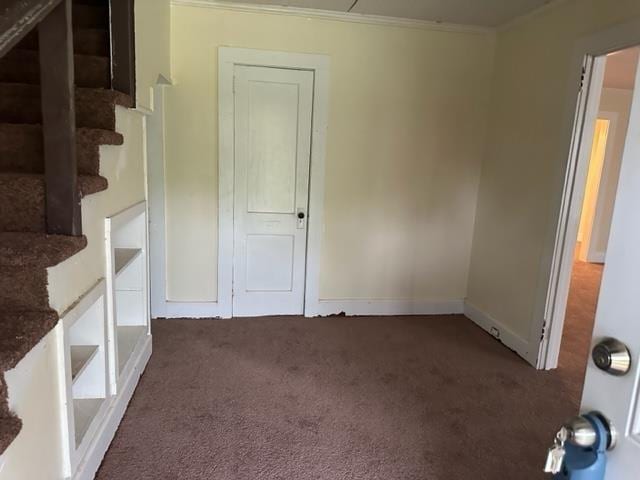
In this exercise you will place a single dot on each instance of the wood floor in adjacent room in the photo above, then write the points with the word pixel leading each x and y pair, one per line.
pixel 366 398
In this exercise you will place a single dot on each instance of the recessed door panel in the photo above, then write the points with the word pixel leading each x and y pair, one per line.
pixel 273 139
pixel 270 263
pixel 273 111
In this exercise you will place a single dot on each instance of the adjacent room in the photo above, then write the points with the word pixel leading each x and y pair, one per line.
pixel 615 93
pixel 319 239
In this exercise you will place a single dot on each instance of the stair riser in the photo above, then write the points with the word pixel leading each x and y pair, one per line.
pixel 23 289
pixel 21 205
pixel 24 155
pixel 85 42
pixel 27 109
pixel 22 66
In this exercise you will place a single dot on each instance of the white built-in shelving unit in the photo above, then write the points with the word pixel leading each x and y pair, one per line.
pixel 82 337
pixel 127 287
pixel 104 343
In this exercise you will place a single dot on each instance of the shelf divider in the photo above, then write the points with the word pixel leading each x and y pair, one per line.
pixel 123 257
pixel 81 356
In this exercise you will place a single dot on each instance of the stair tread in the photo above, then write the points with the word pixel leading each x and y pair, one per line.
pixel 93 40
pixel 34 54
pixel 20 332
pixel 98 135
pixel 88 184
pixel 82 93
pixel 23 66
pixel 22 249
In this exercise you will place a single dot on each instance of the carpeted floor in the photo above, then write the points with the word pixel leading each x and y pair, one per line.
pixel 390 398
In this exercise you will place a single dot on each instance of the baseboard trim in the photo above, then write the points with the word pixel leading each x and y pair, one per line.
pixel 187 310
pixel 498 330
pixel 596 257
pixel 388 307
pixel 89 466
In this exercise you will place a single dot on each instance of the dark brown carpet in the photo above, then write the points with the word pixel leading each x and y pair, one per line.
pixel 347 398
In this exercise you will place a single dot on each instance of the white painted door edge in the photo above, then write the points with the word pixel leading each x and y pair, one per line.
pixel 554 274
pixel 319 64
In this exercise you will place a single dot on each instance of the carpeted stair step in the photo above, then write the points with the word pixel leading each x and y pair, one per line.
pixel 86 41
pixel 22 66
pixel 21 149
pixel 23 288
pixel 20 332
pixel 24 259
pixel 22 200
pixel 95 107
pixel 37 249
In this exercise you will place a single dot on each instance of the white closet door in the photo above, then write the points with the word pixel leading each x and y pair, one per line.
pixel 273 111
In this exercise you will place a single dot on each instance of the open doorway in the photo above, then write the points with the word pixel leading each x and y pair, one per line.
pixel 611 93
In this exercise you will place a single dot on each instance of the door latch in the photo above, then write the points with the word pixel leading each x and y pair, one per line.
pixel 301 217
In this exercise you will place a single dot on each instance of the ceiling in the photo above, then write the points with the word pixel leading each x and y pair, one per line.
pixel 620 71
pixel 482 13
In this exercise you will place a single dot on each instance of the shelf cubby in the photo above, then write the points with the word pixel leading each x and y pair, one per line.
pixel 83 353
pixel 127 287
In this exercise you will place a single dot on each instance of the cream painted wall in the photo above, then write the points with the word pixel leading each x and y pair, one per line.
pixel 153 30
pixel 33 384
pixel 124 168
pixel 616 101
pixel 405 136
pixel 523 166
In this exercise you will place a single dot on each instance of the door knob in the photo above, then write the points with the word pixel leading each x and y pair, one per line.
pixel 612 356
pixel 580 446
pixel 301 215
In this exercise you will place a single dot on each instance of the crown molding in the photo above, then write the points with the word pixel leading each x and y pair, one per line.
pixel 349 17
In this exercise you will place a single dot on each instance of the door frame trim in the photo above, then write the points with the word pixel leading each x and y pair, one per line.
pixel 557 259
pixel 228 58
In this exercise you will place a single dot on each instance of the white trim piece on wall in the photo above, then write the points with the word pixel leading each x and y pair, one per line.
pixel 161 307
pixel 319 64
pixel 557 258
pixel 371 307
pixel 500 332
pixel 334 15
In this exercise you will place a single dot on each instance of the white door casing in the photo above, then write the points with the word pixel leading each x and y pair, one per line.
pixel 228 59
pixel 586 67
pixel 618 314
pixel 273 115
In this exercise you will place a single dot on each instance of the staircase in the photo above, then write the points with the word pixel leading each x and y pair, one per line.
pixel 26 250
